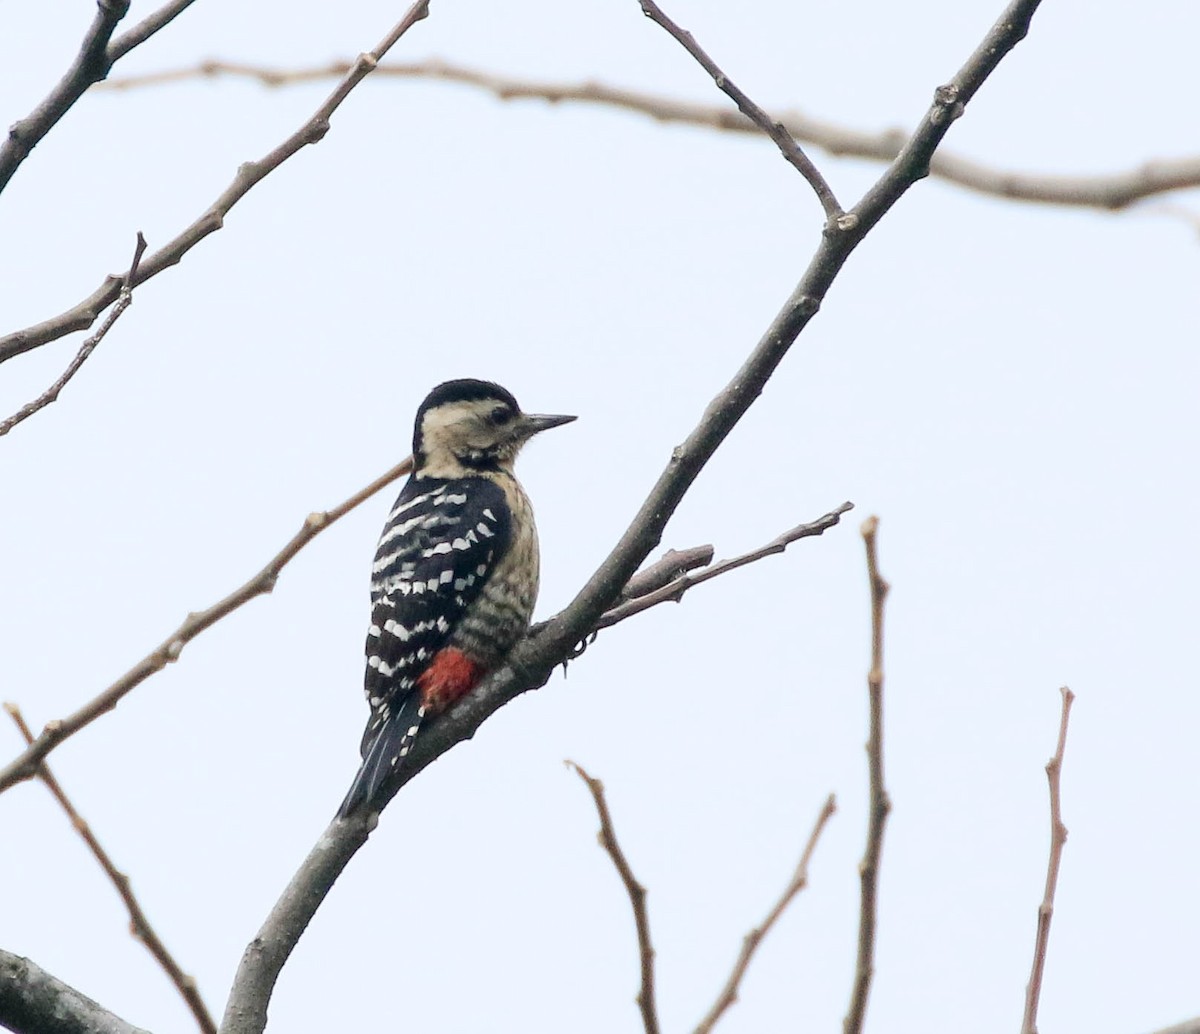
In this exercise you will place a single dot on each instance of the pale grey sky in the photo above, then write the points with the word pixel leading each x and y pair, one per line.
pixel 1011 388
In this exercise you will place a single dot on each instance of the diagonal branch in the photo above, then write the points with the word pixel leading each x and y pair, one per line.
pixel 1058 839
pixel 729 993
pixel 34 1002
pixel 637 899
pixel 89 346
pixel 146 28
pixel 139 925
pixel 774 129
pixel 535 658
pixel 25 765
pixel 1106 191
pixel 82 315
pixel 868 869
pixel 91 65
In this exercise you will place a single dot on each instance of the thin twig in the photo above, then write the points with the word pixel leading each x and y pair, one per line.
pixel 1058 838
pixel 51 393
pixel 146 28
pixel 91 65
pixel 868 870
pixel 139 925
pixel 25 765
pixel 83 314
pixel 1107 191
pixel 729 993
pixel 532 662
pixel 774 129
pixel 673 591
pixel 666 569
pixel 637 899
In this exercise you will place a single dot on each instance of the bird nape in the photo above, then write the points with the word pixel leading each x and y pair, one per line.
pixel 455 576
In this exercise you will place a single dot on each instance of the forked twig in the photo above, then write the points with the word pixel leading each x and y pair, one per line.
pixel 864 967
pixel 637 898
pixel 1058 838
pixel 776 130
pixel 754 938
pixel 89 346
pixel 139 925
pixel 25 765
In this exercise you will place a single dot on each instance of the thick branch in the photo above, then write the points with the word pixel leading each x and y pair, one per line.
pixel 637 900
pixel 82 315
pixel 34 1002
pixel 533 660
pixel 139 925
pixel 1108 191
pixel 91 65
pixel 1058 839
pixel 25 765
pixel 799 880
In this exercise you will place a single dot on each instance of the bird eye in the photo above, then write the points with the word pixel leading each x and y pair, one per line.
pixel 500 416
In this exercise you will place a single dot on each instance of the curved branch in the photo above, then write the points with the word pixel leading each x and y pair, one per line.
pixel 84 314
pixel 1108 191
pixel 34 1002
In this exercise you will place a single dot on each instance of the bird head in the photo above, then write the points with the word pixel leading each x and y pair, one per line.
pixel 469 427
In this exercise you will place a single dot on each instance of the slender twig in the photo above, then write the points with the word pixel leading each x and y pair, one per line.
pixel 1058 838
pixel 880 804
pixel 544 649
pixel 139 925
pixel 666 569
pixel 637 899
pixel 729 993
pixel 91 65
pixel 673 591
pixel 146 28
pixel 776 130
pixel 24 766
pixel 51 393
pixel 34 1002
pixel 83 314
pixel 1106 191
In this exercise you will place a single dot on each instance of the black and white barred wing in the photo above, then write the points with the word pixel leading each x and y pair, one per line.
pixel 440 543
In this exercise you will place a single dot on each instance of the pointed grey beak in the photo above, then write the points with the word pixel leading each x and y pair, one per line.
pixel 532 423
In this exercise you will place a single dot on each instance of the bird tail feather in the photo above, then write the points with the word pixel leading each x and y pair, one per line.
pixel 382 757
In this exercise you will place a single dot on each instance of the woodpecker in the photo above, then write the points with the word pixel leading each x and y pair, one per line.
pixel 455 576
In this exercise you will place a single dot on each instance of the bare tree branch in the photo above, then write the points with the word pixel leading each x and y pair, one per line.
pixel 729 993
pixel 1058 839
pixel 1187 1027
pixel 25 766
pixel 868 870
pixel 34 1002
pixel 1108 191
pixel 83 314
pixel 139 925
pixel 89 346
pixel 91 65
pixel 637 899
pixel 774 129
pixel 535 658
pixel 673 591
pixel 146 28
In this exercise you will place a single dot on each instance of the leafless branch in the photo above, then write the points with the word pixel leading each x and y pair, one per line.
pixel 146 28
pixel 83 314
pixel 31 999
pixel 535 658
pixel 729 993
pixel 1058 839
pixel 139 925
pixel 91 65
pixel 671 565
pixel 673 591
pixel 25 766
pixel 774 129
pixel 868 870
pixel 1107 191
pixel 51 393
pixel 637 899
